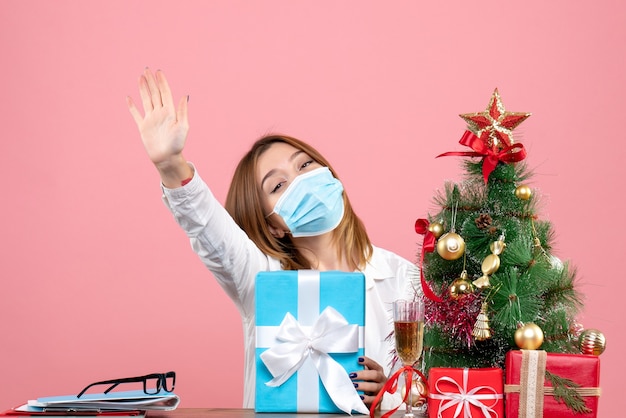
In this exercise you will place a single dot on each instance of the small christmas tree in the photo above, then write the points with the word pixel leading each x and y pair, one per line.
pixel 490 279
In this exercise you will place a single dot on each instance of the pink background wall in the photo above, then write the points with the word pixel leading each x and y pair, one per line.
pixel 98 281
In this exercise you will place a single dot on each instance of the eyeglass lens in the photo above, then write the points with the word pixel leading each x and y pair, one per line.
pixel 154 383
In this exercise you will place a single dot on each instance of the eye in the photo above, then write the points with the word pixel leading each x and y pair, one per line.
pixel 306 164
pixel 277 187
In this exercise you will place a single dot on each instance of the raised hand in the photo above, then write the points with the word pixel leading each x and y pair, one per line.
pixel 163 127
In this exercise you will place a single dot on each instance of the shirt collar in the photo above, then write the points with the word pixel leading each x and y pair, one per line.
pixel 375 270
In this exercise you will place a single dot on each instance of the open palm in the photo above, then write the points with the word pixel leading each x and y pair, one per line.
pixel 163 128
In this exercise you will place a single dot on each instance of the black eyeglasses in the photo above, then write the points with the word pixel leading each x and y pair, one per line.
pixel 152 383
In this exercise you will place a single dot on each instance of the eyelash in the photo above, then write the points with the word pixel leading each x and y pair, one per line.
pixel 305 165
pixel 278 186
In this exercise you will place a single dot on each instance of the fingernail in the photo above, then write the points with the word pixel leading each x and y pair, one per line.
pixel 362 397
pixel 361 359
pixel 352 375
pixel 356 385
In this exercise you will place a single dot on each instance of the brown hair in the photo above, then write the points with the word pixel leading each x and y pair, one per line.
pixel 243 202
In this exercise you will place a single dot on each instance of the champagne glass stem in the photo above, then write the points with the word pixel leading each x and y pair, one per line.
pixel 409 401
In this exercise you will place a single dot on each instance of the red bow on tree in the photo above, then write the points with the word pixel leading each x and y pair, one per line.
pixel 428 246
pixel 491 158
pixel 491 135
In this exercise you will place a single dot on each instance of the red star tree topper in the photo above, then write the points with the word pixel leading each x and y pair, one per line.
pixel 494 126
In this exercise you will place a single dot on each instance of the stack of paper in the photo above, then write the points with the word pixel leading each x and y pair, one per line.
pixel 119 404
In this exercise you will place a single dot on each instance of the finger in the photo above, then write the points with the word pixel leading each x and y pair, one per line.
pixel 155 94
pixel 144 92
pixel 164 88
pixel 368 388
pixel 370 364
pixel 181 113
pixel 134 112
pixel 372 375
pixel 368 399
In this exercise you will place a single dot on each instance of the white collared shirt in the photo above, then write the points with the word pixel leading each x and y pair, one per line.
pixel 235 260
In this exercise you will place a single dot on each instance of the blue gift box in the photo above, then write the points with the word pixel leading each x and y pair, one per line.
pixel 304 318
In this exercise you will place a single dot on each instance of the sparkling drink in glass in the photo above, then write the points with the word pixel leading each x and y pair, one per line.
pixel 408 319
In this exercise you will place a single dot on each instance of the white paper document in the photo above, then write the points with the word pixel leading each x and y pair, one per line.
pixel 120 401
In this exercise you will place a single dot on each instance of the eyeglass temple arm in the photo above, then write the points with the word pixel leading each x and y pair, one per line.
pixel 113 383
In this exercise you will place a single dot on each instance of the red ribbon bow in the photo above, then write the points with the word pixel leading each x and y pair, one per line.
pixel 428 246
pixel 391 385
pixel 510 154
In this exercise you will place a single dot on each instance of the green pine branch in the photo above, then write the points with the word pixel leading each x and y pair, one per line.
pixel 565 391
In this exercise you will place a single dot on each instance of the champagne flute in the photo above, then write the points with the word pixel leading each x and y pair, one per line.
pixel 408 320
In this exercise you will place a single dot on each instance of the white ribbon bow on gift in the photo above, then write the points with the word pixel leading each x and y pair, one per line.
pixel 464 398
pixel 331 333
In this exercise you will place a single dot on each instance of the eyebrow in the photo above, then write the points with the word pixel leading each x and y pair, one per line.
pixel 273 170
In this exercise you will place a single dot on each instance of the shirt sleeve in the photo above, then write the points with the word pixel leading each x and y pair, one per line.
pixel 221 245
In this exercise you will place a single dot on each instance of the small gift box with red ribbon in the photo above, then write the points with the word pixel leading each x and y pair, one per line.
pixel 309 336
pixel 465 393
pixel 555 385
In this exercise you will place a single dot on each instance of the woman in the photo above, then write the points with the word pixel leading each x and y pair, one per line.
pixel 261 230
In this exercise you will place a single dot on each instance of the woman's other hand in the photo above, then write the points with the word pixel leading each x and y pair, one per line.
pixel 370 380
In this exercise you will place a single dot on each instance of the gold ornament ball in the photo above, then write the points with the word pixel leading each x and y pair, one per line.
pixel 436 228
pixel 529 337
pixel 419 393
pixel 592 341
pixel 523 192
pixel 450 246
pixel 461 287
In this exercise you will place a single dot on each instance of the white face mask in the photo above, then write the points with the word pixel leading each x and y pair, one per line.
pixel 312 204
